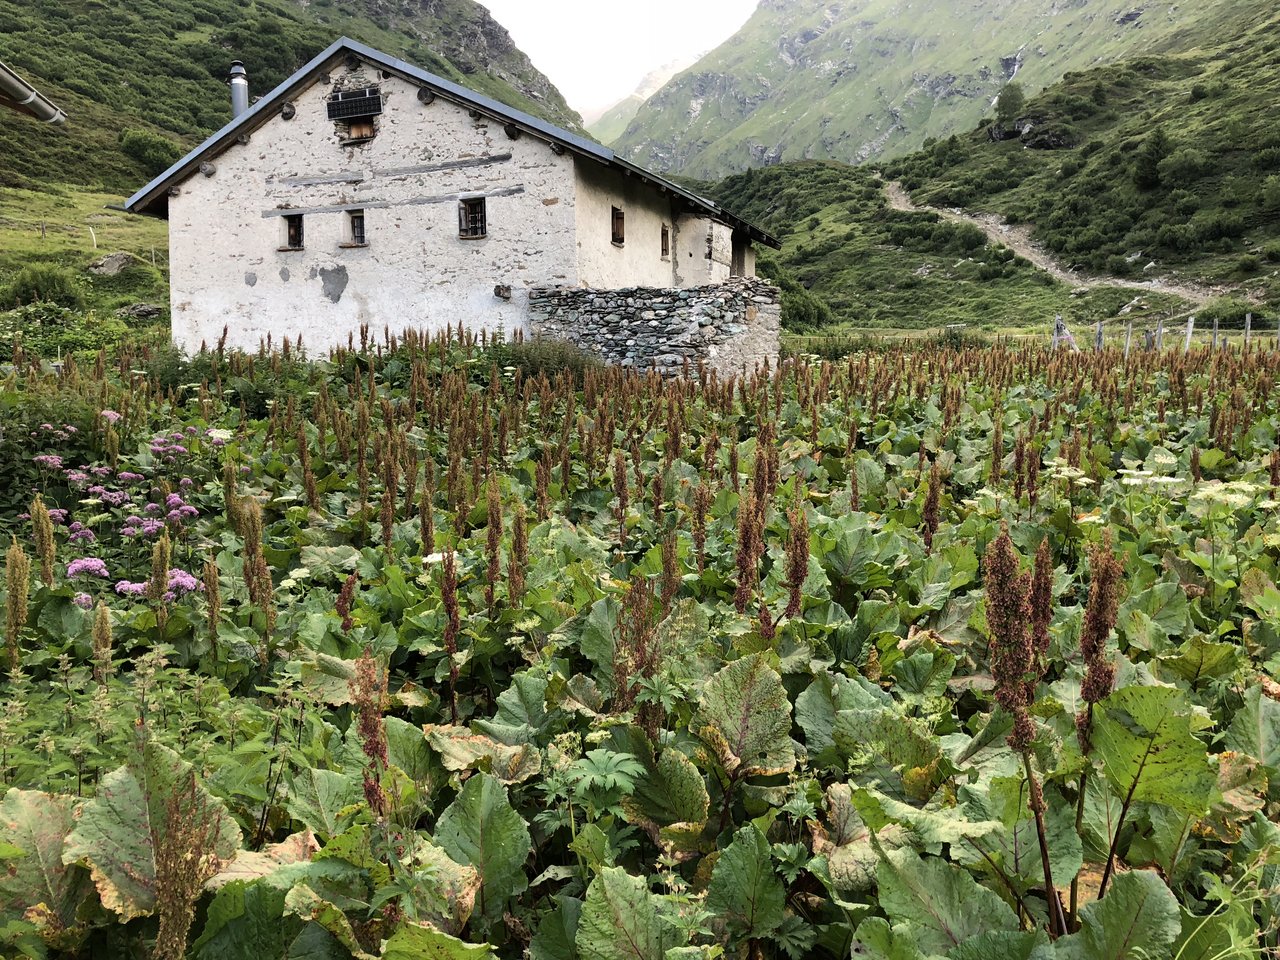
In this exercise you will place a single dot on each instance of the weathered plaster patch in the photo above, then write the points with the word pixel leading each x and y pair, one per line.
pixel 284 274
pixel 335 282
pixel 250 279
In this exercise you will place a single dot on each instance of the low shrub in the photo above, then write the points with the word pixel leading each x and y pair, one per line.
pixel 42 283
pixel 50 331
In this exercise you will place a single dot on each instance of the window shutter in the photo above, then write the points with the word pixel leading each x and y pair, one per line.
pixel 462 218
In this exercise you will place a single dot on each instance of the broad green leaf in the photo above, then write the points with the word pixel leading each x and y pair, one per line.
pixel 623 920
pixel 1255 729
pixel 304 903
pixel 817 705
pixel 251 864
pixel 1006 945
pixel 594 636
pixel 900 751
pixel 931 825
pixel 557 932
pixel 419 941
pixel 1016 845
pixel 745 893
pixel 1143 737
pixel 744 716
pixel 846 842
pixel 120 829
pixel 460 749
pixel 941 904
pixel 249 920
pixel 35 824
pixel 324 800
pixel 1138 919
pixel 876 940
pixel 671 790
pixel 482 829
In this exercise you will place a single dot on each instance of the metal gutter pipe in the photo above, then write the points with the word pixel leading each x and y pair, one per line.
pixel 17 94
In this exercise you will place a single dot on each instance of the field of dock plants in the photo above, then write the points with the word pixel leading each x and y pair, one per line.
pixel 444 648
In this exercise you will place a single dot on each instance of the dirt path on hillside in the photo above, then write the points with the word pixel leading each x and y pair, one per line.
pixel 1018 239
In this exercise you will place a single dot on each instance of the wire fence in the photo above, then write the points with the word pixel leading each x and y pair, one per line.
pixel 1180 333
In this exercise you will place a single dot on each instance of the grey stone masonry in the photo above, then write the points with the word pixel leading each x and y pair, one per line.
pixel 730 326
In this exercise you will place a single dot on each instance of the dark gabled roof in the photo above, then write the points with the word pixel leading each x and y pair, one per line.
pixel 17 94
pixel 153 198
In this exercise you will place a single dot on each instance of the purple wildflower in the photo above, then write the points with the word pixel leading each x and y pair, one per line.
pixel 58 515
pixel 87 566
pixel 115 498
pixel 186 482
pixel 84 535
pixel 83 601
pixel 111 416
pixel 181 582
pixel 100 471
pixel 125 476
pixel 77 477
pixel 173 501
pixel 151 508
pixel 128 589
pixel 49 461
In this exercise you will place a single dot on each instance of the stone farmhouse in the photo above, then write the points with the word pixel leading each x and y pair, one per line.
pixel 364 191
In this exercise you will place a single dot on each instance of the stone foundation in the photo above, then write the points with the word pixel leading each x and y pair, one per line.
pixel 730 326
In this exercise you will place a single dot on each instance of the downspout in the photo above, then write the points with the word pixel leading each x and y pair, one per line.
pixel 19 95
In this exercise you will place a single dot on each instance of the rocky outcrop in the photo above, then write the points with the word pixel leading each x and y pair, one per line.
pixel 728 327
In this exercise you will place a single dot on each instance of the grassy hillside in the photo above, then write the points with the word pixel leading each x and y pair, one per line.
pixel 1174 163
pixel 615 121
pixel 808 79
pixel 155 67
pixel 873 267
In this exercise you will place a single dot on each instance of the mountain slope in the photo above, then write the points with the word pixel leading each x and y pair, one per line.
pixel 854 80
pixel 1175 164
pixel 613 123
pixel 156 67
pixel 1171 178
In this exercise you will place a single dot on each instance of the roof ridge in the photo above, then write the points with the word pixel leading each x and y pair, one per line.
pixel 154 192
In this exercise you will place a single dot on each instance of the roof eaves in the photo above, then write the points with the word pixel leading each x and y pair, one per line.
pixel 147 196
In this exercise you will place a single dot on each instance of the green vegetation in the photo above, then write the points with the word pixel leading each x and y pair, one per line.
pixel 807 79
pixel 870 266
pixel 401 656
pixel 142 80
pixel 1172 159
pixel 47 243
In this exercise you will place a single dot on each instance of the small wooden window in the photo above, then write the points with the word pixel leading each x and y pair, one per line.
pixel 293 235
pixel 619 226
pixel 360 130
pixel 473 221
pixel 357 228
pixel 666 242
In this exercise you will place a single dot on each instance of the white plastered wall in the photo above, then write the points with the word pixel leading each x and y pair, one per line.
pixel 638 261
pixel 226 231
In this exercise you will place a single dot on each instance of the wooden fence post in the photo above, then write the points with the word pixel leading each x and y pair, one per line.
pixel 1191 329
pixel 1128 338
pixel 1097 338
pixel 1160 334
pixel 1248 330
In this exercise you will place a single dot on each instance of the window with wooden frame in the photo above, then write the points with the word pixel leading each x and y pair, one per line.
pixel 619 226
pixel 293 235
pixel 355 225
pixel 666 242
pixel 473 220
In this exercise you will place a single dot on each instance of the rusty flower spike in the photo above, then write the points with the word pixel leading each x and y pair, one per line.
pixel 1099 618
pixel 1008 622
pixel 368 697
pixel 42 534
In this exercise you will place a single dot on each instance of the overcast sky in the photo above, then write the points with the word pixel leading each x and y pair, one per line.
pixel 598 51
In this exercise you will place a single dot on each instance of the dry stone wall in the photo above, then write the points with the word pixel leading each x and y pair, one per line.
pixel 730 326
